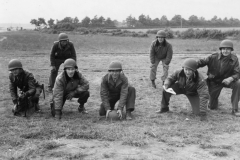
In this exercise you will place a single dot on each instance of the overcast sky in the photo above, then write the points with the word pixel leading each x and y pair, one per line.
pixel 22 11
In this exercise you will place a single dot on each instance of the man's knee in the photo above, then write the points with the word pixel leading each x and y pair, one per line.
pixel 131 89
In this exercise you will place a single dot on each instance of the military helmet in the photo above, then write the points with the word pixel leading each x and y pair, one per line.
pixel 161 34
pixel 14 64
pixel 69 63
pixel 113 115
pixel 63 37
pixel 190 63
pixel 115 66
pixel 226 44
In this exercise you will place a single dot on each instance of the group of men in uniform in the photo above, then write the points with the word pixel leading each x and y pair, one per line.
pixel 223 71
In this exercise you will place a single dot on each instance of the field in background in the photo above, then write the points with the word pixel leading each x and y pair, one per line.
pixel 175 135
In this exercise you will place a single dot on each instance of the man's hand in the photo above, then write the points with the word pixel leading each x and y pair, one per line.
pixel 14 108
pixel 107 113
pixel 227 81
pixel 70 95
pixel 210 76
pixel 119 112
pixel 23 96
pixel 53 68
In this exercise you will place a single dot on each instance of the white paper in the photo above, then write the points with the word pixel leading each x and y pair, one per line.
pixel 169 90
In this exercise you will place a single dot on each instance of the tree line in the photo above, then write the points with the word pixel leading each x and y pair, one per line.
pixel 142 21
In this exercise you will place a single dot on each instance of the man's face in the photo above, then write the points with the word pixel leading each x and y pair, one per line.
pixel 70 71
pixel 16 71
pixel 226 51
pixel 188 72
pixel 115 74
pixel 63 43
pixel 160 39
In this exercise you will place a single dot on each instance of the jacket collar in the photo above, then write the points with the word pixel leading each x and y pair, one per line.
pixel 60 46
pixel 220 56
pixel 110 79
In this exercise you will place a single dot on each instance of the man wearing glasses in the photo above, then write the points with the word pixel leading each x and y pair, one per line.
pixel 114 87
pixel 160 50
pixel 61 50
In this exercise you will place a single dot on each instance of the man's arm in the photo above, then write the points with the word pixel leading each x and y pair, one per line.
pixel 104 93
pixel 169 54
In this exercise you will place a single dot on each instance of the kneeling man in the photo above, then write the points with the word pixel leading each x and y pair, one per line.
pixel 69 84
pixel 190 82
pixel 114 87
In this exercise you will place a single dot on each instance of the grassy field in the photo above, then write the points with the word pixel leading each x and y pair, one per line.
pixel 175 135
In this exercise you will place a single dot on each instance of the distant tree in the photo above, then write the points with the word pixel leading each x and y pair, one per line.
pixel 142 19
pixel 50 23
pixel 76 20
pixel 109 22
pixel 42 22
pixel 193 20
pixel 176 20
pixel 86 21
pixel 164 21
pixel 131 21
pixel 67 20
pixel 35 22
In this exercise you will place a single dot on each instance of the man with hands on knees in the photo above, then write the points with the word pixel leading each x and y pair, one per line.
pixel 190 82
pixel 223 71
pixel 114 87
pixel 69 84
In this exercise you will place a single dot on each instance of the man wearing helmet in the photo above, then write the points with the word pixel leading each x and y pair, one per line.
pixel 61 50
pixel 69 84
pixel 190 82
pixel 223 71
pixel 160 50
pixel 114 87
pixel 23 87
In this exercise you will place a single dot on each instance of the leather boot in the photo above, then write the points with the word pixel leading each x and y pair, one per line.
pixel 129 115
pixel 58 114
pixel 153 84
pixel 82 109
pixel 163 110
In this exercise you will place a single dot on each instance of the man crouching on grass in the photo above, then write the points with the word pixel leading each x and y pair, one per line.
pixel 114 87
pixel 69 84
pixel 29 88
pixel 190 82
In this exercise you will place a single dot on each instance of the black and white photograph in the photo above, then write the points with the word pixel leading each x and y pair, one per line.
pixel 119 80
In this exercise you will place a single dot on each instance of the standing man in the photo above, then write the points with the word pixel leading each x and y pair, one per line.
pixel 114 87
pixel 223 71
pixel 190 82
pixel 69 84
pixel 22 87
pixel 61 50
pixel 160 50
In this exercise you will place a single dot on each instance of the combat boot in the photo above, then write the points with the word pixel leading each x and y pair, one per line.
pixel 129 115
pixel 58 114
pixel 37 108
pixel 153 84
pixel 52 109
pixel 81 109
pixel 163 110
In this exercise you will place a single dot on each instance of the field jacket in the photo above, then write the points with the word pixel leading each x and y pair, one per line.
pixel 196 86
pixel 25 81
pixel 161 52
pixel 221 67
pixel 110 88
pixel 65 85
pixel 60 53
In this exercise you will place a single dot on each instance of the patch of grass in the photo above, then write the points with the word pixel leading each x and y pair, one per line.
pixel 45 146
pixel 219 153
